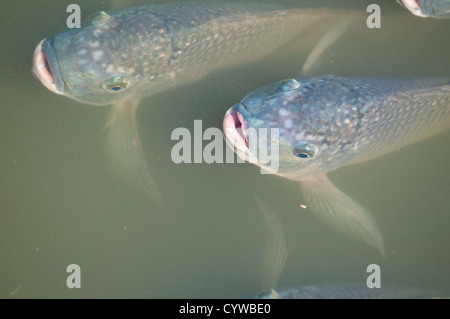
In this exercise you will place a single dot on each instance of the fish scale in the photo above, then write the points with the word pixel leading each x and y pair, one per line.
pixel 350 290
pixel 371 116
pixel 404 112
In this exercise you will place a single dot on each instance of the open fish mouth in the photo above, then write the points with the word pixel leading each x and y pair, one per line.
pixel 235 127
pixel 413 6
pixel 46 68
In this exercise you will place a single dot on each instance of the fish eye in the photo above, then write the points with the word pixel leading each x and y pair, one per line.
pixel 303 153
pixel 286 85
pixel 116 83
pixel 305 150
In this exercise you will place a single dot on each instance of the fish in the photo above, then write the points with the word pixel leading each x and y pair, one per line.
pixel 327 122
pixel 427 8
pixel 350 290
pixel 118 58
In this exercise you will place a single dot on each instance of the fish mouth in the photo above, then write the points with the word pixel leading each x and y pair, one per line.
pixel 46 67
pixel 413 6
pixel 235 126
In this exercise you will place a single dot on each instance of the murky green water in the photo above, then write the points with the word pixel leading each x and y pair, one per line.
pixel 61 205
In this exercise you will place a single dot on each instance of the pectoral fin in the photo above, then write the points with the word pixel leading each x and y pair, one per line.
pixel 340 211
pixel 125 149
pixel 277 252
pixel 327 40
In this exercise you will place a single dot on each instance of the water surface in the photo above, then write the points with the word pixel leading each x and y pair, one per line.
pixel 60 204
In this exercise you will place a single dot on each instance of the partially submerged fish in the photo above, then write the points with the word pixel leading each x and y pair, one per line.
pixel 427 8
pixel 122 56
pixel 326 122
pixel 349 290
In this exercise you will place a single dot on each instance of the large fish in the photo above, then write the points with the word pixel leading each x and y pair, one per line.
pixel 427 8
pixel 327 122
pixel 122 56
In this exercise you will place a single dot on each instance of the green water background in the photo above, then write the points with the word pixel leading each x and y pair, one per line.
pixel 60 204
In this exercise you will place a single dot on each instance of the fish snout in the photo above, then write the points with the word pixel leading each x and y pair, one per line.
pixel 235 126
pixel 45 67
pixel 413 6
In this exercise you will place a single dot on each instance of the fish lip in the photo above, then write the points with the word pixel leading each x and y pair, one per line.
pixel 235 126
pixel 413 6
pixel 46 67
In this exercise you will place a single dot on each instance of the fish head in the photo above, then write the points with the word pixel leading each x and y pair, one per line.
pixel 315 119
pixel 427 8
pixel 98 63
pixel 413 6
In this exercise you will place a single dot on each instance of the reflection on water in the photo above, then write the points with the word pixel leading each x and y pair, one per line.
pixel 61 204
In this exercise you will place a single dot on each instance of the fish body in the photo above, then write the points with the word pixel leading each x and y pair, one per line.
pixel 350 290
pixel 122 56
pixel 428 8
pixel 136 52
pixel 348 120
pixel 327 122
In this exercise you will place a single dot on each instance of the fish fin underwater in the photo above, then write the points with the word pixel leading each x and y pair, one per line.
pixel 123 143
pixel 334 34
pixel 125 150
pixel 330 204
pixel 341 212
pixel 277 252
pixel 275 258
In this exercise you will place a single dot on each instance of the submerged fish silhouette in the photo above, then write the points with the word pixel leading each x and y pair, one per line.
pixel 276 255
pixel 349 290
